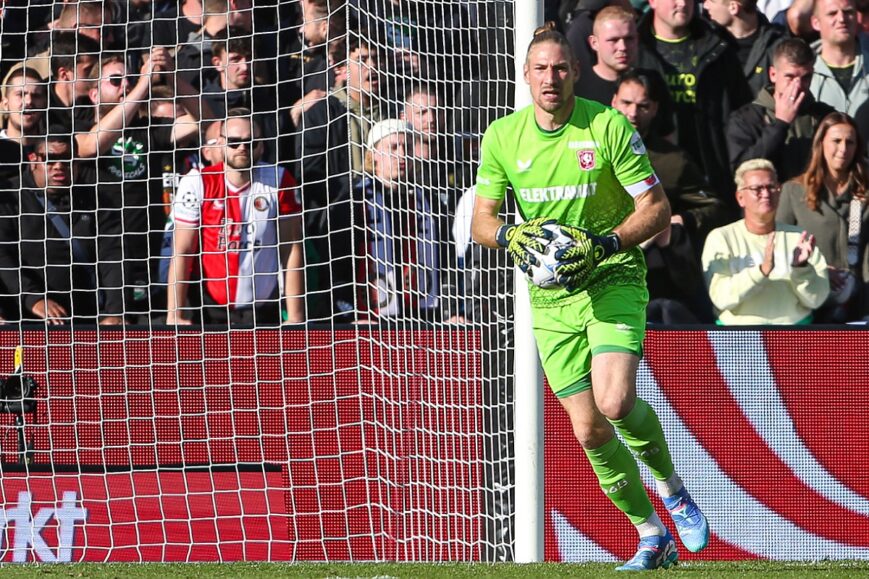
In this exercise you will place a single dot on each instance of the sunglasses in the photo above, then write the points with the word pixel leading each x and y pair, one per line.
pixel 233 143
pixel 51 159
pixel 116 80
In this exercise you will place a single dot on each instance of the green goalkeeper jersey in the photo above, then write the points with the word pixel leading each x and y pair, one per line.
pixel 586 174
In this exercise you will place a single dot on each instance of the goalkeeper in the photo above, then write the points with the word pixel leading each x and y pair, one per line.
pixel 582 164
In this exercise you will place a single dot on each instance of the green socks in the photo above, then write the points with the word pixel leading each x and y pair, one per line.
pixel 619 477
pixel 642 432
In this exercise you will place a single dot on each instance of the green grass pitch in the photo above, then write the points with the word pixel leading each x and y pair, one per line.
pixel 741 570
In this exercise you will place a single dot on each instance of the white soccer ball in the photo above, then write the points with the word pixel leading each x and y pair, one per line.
pixel 543 274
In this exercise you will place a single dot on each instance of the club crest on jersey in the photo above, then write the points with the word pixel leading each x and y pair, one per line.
pixel 586 159
pixel 261 203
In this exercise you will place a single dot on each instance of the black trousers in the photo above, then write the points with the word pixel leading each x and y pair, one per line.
pixel 263 314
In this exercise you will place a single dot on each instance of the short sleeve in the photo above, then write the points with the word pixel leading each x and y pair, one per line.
pixel 628 156
pixel 187 206
pixel 491 177
pixel 288 195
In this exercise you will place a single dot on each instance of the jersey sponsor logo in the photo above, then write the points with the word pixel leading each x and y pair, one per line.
pixel 546 194
pixel 582 144
pixel 683 87
pixel 586 158
pixel 637 145
pixel 483 180
pixel 523 166
pixel 127 159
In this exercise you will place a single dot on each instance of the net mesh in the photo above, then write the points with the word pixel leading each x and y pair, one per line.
pixel 226 178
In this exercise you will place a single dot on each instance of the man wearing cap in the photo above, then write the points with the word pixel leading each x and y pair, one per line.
pixel 404 256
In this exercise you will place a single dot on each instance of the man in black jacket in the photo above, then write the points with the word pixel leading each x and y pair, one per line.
pixel 780 124
pixel 50 254
pixel 705 81
pixel 330 149
pixel 236 86
pixel 754 35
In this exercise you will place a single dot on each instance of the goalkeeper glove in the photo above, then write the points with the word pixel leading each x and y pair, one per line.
pixel 519 239
pixel 576 262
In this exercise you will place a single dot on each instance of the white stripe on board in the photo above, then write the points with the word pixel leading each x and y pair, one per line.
pixel 761 403
pixel 574 546
pixel 734 515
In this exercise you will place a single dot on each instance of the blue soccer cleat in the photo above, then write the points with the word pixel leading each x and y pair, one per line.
pixel 655 552
pixel 690 523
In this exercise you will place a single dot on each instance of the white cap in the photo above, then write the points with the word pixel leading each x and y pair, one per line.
pixel 383 129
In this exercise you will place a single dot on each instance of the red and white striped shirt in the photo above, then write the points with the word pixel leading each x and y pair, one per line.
pixel 238 230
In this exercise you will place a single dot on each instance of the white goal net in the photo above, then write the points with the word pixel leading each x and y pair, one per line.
pixel 235 263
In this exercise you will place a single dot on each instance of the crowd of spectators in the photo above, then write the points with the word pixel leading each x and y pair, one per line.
pixel 231 162
pixel 237 162
pixel 755 123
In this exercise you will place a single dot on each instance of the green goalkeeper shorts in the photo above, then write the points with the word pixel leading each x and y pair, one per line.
pixel 614 320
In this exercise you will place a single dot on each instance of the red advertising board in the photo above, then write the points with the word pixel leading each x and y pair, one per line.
pixel 766 428
pixel 319 446
pixel 345 445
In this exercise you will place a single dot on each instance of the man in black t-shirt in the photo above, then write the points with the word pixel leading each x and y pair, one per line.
pixel 73 57
pixel 614 40
pixel 129 180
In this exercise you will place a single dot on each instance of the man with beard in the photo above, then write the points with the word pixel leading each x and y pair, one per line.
pixel 331 146
pixel 304 67
pixel 241 220
pixel 677 293
pixel 50 254
pixel 579 166
pixel 24 104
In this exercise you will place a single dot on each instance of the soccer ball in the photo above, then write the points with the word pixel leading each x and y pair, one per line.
pixel 543 274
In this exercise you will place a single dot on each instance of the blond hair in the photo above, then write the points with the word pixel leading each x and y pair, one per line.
pixel 613 13
pixel 753 165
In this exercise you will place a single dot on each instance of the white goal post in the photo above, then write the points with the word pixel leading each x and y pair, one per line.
pixel 528 438
pixel 381 428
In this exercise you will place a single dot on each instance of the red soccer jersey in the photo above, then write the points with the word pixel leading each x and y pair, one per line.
pixel 238 230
